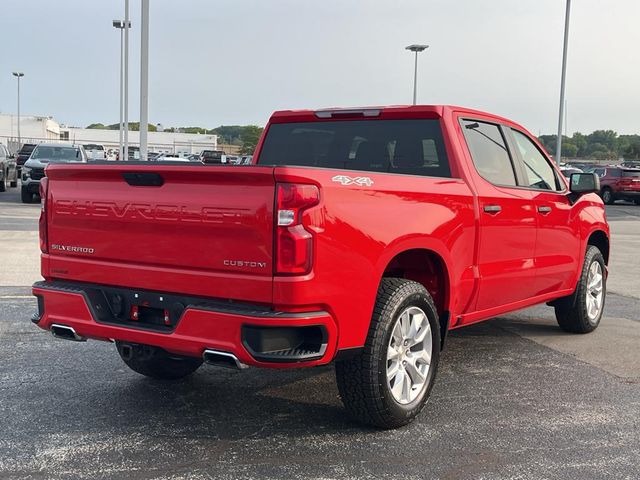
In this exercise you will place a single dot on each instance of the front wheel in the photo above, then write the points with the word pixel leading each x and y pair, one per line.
pixel 25 195
pixel 582 311
pixel 155 362
pixel 389 382
pixel 636 201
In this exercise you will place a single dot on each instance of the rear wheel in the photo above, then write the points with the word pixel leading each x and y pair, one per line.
pixel 582 311
pixel 155 362
pixel 636 201
pixel 3 182
pixel 389 382
pixel 607 196
pixel 26 195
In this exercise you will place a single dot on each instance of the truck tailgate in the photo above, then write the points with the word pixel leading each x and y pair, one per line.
pixel 203 230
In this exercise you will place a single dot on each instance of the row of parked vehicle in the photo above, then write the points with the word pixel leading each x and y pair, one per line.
pixel 30 162
pixel 617 182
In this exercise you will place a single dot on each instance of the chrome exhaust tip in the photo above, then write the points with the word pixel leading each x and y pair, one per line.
pixel 66 333
pixel 223 359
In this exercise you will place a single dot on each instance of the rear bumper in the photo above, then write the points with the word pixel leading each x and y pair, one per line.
pixel 202 325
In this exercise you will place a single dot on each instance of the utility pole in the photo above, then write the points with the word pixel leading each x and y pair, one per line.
pixel 562 82
pixel 19 75
pixel 144 79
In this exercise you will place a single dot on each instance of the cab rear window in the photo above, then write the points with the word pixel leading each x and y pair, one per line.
pixel 413 147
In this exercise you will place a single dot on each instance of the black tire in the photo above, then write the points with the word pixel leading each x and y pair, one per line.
pixel 362 380
pixel 636 201
pixel 155 362
pixel 607 196
pixel 571 311
pixel 3 182
pixel 14 184
pixel 26 195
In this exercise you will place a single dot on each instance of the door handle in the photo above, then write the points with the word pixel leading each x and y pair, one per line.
pixel 544 209
pixel 492 209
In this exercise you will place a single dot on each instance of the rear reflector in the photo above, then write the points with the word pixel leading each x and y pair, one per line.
pixel 293 243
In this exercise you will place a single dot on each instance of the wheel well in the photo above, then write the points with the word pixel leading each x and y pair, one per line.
pixel 599 239
pixel 427 268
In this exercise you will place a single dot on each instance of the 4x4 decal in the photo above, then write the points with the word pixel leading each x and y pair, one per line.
pixel 347 180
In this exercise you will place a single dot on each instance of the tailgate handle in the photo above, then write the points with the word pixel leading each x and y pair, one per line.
pixel 137 179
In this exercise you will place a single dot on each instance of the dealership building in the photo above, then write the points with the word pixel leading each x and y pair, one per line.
pixel 38 129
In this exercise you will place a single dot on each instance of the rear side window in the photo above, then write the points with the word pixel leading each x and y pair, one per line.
pixel 631 173
pixel 413 147
pixel 489 152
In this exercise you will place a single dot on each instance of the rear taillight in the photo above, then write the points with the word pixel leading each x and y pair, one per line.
pixel 294 243
pixel 42 224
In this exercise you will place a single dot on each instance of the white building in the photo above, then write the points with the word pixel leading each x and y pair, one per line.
pixel 33 129
pixel 38 129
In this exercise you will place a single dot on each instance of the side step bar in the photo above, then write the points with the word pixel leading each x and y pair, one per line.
pixel 223 359
pixel 66 333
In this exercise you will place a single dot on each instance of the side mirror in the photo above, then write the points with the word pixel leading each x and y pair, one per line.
pixel 582 183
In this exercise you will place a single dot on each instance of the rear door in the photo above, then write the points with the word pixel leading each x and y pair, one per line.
pixel 507 234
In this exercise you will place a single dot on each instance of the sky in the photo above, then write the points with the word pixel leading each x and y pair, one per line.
pixel 225 62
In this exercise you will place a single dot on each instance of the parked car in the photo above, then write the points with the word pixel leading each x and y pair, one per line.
pixel 212 156
pixel 43 155
pixel 618 183
pixel 568 170
pixel 359 237
pixel 194 157
pixel 231 159
pixel 631 164
pixel 94 151
pixel 23 155
pixel 245 160
pixel 8 169
pixel 152 156
pixel 171 157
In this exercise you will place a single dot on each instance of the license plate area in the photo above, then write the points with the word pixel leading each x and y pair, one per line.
pixel 151 316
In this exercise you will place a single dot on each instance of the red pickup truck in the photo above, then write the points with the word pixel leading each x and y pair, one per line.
pixel 357 236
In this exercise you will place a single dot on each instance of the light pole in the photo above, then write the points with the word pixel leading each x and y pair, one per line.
pixel 126 80
pixel 19 75
pixel 120 24
pixel 416 49
pixel 144 78
pixel 562 82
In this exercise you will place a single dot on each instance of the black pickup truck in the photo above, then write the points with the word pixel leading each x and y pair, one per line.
pixel 23 155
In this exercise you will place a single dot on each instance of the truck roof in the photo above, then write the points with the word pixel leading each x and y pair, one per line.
pixel 388 111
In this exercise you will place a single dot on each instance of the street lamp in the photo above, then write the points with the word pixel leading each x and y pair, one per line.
pixel 19 75
pixel 144 77
pixel 562 82
pixel 416 49
pixel 120 24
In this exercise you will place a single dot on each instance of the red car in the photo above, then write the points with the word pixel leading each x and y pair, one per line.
pixel 357 236
pixel 617 183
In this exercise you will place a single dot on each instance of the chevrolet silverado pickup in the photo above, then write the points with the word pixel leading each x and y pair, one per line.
pixel 356 236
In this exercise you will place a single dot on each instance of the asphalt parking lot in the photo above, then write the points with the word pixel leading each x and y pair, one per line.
pixel 516 398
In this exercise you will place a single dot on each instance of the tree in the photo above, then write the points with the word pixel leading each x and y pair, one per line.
pixel 249 138
pixel 97 126
pixel 569 150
